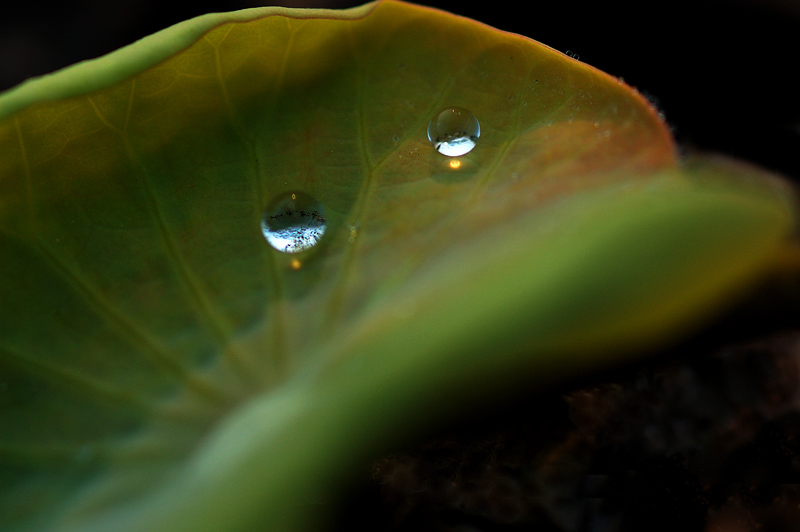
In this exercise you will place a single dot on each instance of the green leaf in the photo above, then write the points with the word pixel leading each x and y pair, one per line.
pixel 163 368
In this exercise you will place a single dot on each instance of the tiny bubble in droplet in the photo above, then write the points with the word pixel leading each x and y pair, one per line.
pixel 454 131
pixel 294 222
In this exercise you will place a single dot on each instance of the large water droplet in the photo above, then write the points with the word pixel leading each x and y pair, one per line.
pixel 294 222
pixel 454 131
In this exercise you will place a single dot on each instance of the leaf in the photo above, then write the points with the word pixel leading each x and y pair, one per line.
pixel 163 368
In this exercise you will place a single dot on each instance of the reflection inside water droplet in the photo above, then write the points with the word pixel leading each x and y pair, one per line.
pixel 454 131
pixel 294 222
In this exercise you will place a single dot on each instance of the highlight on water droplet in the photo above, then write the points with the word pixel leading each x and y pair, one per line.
pixel 294 222
pixel 454 131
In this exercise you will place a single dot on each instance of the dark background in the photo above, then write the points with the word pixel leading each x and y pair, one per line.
pixel 722 71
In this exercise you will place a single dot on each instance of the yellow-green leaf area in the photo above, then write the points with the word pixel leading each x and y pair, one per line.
pixel 156 352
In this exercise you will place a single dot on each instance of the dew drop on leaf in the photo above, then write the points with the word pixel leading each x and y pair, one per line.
pixel 294 222
pixel 454 131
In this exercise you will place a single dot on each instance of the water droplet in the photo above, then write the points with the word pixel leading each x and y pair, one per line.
pixel 395 138
pixel 353 233
pixel 294 222
pixel 454 131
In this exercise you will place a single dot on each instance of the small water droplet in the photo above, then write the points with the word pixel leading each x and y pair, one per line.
pixel 524 103
pixel 395 138
pixel 294 222
pixel 353 233
pixel 510 97
pixel 454 131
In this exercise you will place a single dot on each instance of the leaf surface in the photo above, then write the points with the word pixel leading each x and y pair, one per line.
pixel 163 368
